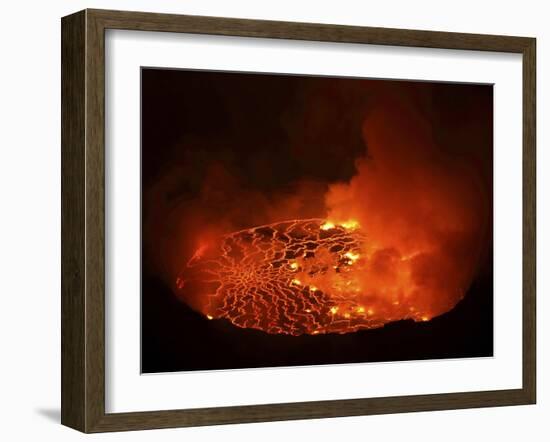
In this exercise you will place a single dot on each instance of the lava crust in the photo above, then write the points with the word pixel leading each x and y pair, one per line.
pixel 296 277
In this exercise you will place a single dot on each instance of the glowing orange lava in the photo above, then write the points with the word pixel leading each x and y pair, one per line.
pixel 304 277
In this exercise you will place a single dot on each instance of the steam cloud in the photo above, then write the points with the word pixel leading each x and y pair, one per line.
pixel 425 211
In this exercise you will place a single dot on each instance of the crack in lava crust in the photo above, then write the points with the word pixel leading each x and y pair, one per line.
pixel 292 277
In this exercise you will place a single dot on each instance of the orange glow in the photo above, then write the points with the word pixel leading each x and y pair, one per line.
pixel 199 252
pixel 339 279
pixel 351 225
pixel 327 225
pixel 352 256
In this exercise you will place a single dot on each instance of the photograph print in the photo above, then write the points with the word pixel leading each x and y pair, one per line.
pixel 298 220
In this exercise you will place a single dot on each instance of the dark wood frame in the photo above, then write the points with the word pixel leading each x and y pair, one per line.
pixel 83 217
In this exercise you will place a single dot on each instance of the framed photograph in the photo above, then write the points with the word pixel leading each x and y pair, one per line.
pixel 266 220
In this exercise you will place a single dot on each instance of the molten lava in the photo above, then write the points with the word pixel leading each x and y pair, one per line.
pixel 306 277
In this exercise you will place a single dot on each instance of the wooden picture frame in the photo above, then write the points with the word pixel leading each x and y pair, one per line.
pixel 83 220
